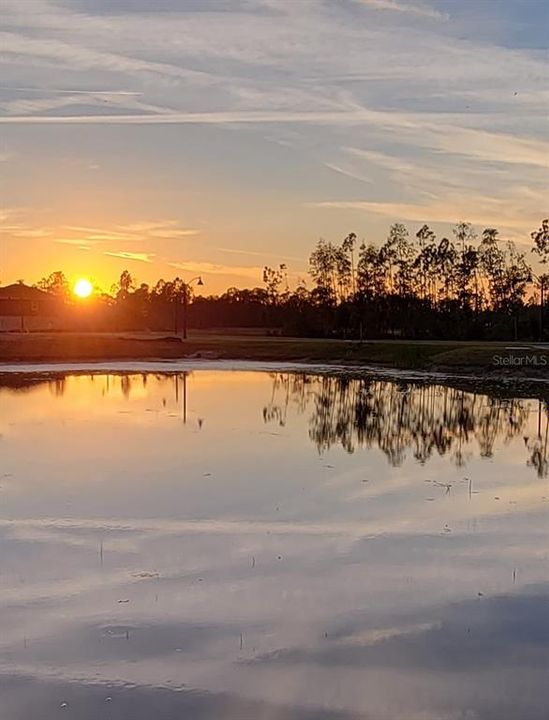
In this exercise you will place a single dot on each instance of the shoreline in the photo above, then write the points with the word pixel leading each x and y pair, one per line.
pixel 20 375
pixel 486 361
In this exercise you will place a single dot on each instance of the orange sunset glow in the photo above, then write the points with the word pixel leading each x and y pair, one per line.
pixel 158 161
pixel 274 359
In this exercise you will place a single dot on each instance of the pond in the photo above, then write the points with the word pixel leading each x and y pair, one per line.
pixel 273 546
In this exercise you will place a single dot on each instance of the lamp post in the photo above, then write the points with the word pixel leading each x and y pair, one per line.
pixel 186 285
pixel 541 280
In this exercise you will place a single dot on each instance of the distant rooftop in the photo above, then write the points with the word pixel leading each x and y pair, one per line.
pixel 20 291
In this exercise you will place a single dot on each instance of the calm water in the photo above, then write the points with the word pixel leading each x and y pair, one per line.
pixel 234 545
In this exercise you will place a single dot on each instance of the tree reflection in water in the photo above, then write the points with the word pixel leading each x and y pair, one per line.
pixel 538 446
pixel 398 417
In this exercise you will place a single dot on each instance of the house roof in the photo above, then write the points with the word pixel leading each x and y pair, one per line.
pixel 20 291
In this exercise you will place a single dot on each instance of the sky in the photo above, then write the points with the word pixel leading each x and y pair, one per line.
pixel 213 137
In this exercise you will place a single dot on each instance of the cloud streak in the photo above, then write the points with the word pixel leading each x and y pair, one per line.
pixel 253 273
pixel 404 7
pixel 126 255
pixel 481 211
pixel 385 108
pixel 202 118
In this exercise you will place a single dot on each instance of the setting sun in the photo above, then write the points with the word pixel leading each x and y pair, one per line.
pixel 83 288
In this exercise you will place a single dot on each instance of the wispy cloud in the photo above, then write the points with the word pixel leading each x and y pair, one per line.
pixel 113 102
pixel 76 242
pixel 255 253
pixel 449 192
pixel 139 231
pixel 173 233
pixel 253 273
pixel 79 57
pixel 481 211
pixel 348 173
pixel 405 7
pixel 28 232
pixel 199 118
pixel 66 91
pixel 89 229
pixel 163 229
pixel 126 255
pixel 453 139
pixel 424 115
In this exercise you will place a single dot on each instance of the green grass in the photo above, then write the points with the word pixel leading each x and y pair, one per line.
pixel 456 356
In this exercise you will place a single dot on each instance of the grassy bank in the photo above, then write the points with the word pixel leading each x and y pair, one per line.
pixel 498 358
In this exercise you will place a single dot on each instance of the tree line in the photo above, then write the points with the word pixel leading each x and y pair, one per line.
pixel 467 286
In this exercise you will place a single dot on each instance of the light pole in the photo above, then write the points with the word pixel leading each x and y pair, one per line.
pixel 186 285
pixel 541 280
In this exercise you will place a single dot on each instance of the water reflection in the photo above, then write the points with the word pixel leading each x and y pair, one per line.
pixel 174 384
pixel 397 417
pixel 236 545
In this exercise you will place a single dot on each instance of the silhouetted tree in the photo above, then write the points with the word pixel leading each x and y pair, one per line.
pixel 541 241
pixel 415 287
pixel 56 283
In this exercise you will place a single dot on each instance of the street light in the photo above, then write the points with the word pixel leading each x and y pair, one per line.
pixel 186 285
pixel 542 279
